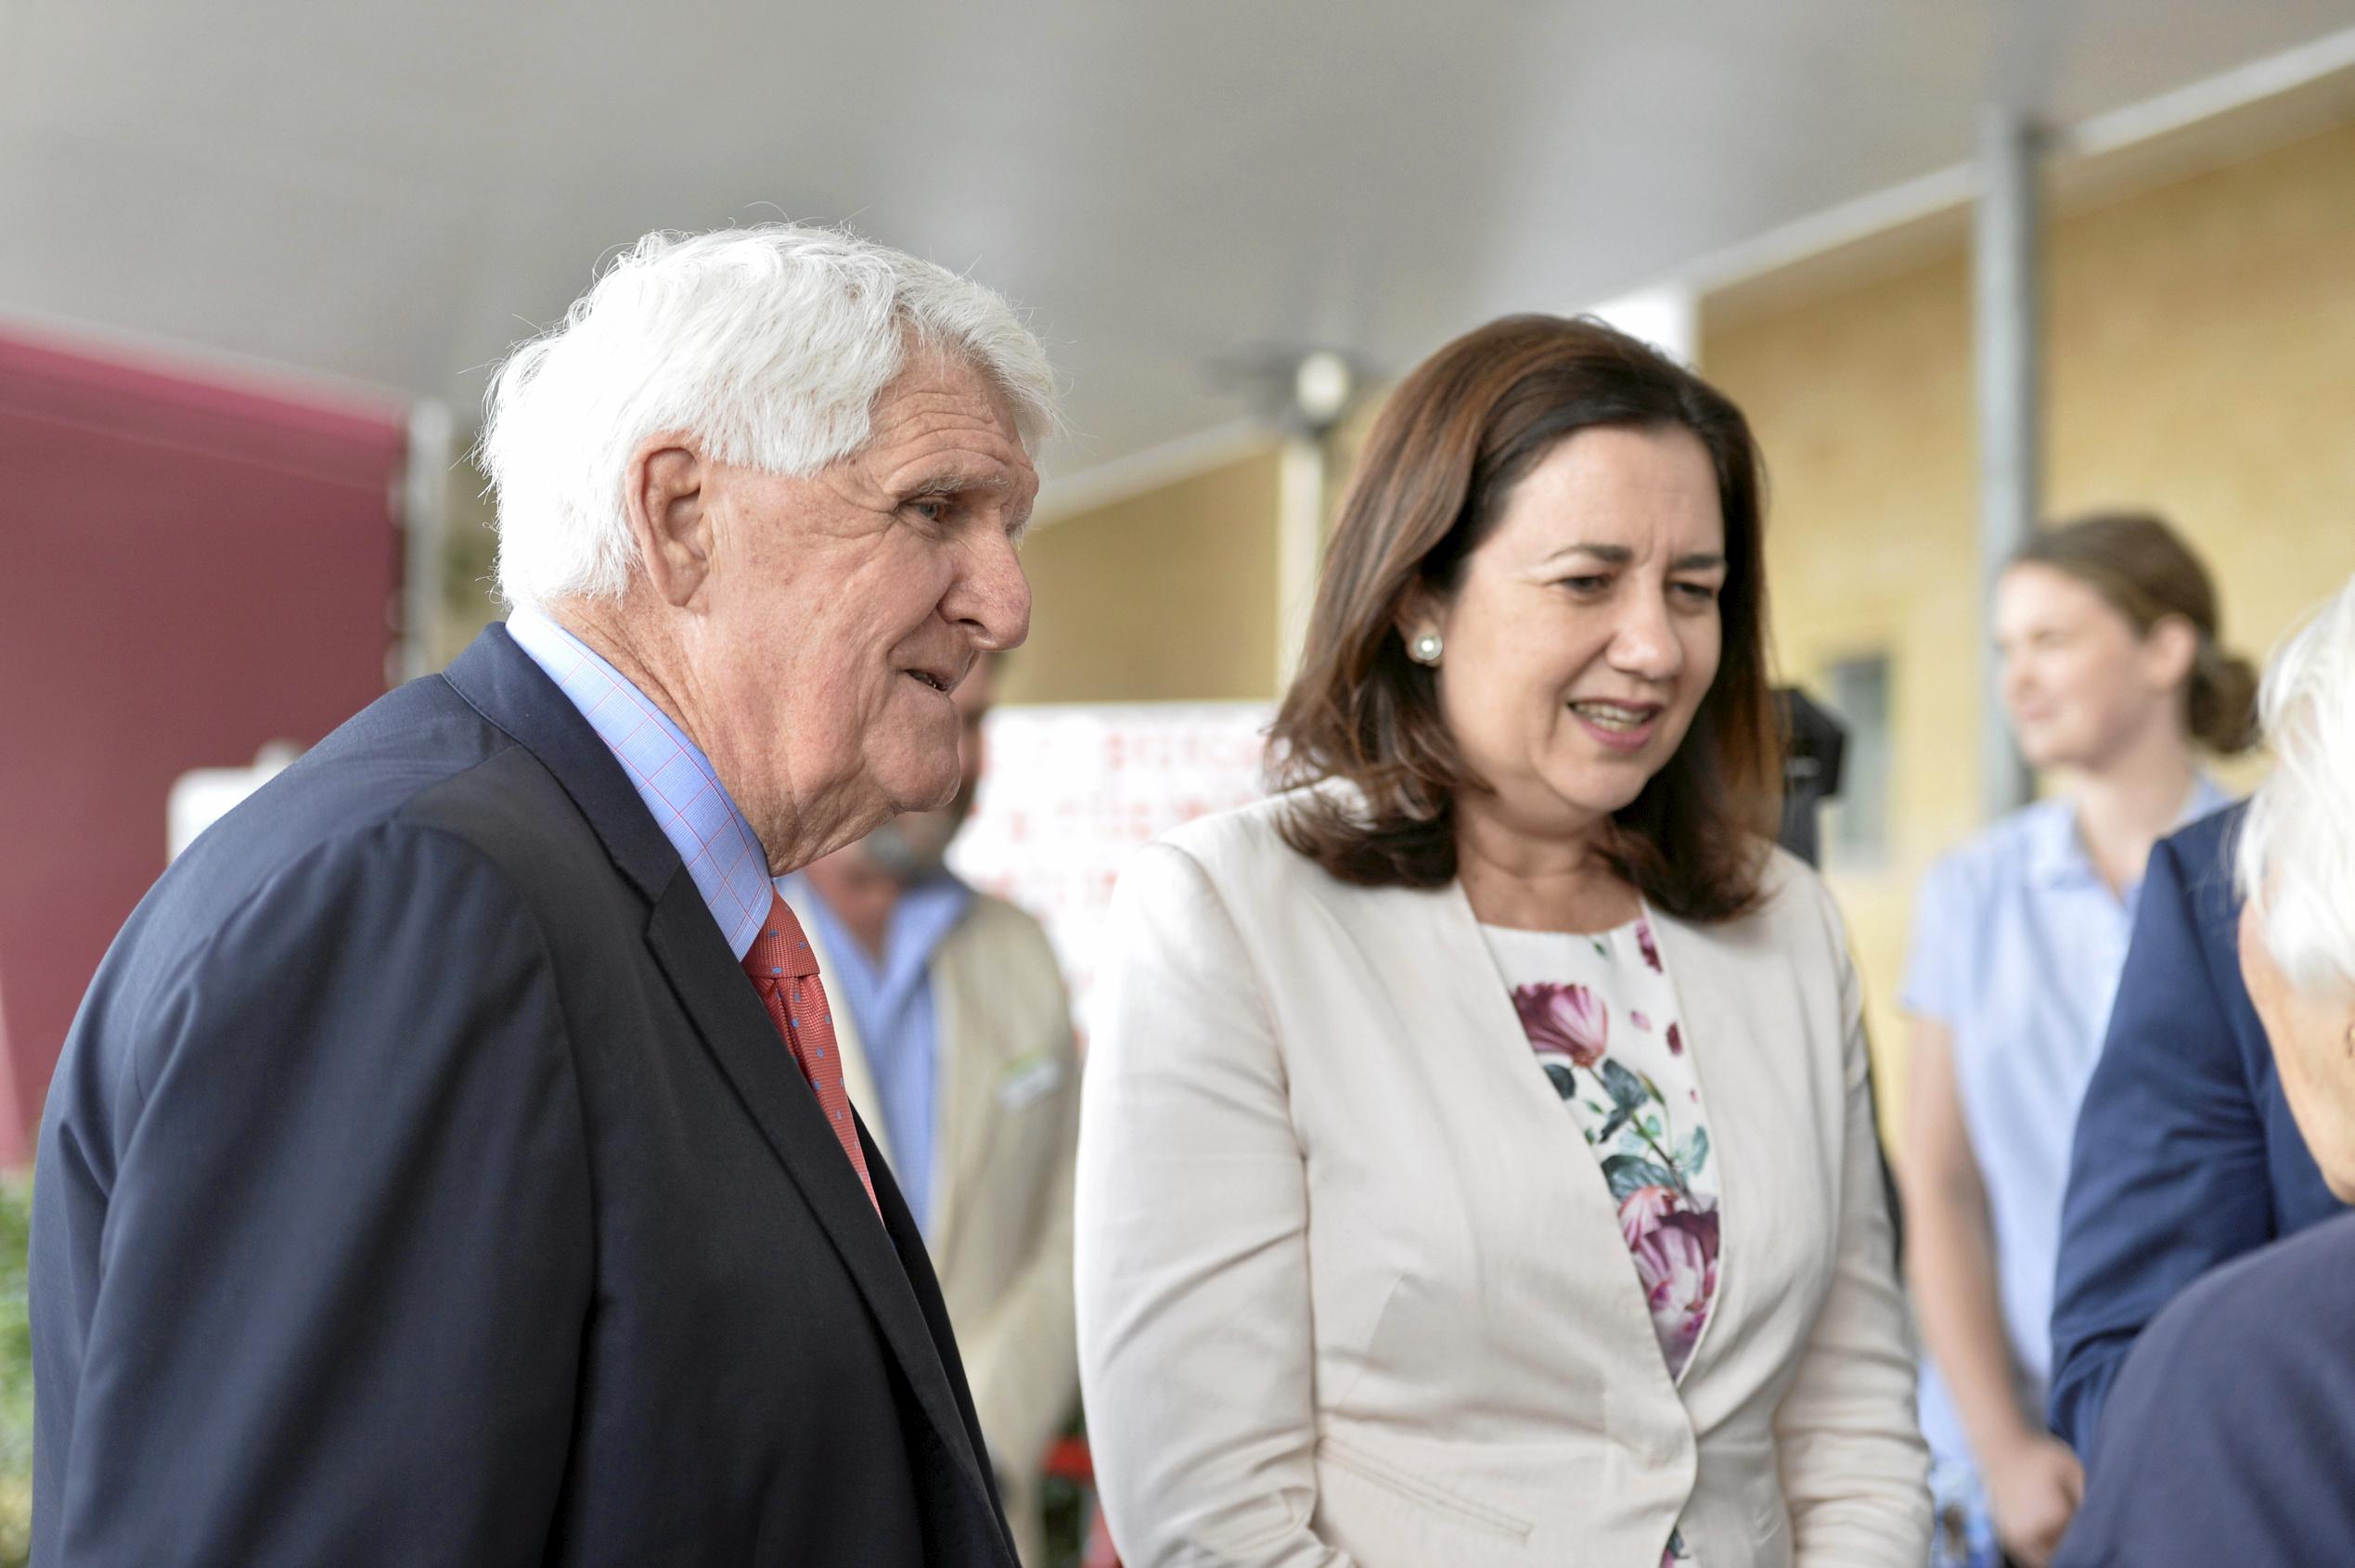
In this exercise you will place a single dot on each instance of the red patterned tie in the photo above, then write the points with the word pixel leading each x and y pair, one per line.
pixel 784 971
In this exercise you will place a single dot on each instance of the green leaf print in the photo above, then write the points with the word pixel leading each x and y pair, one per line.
pixel 1627 1174
pixel 1627 1090
pixel 1695 1152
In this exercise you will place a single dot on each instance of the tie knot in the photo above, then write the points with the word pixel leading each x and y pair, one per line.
pixel 780 950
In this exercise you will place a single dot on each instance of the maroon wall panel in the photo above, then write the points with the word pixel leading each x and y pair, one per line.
pixel 186 570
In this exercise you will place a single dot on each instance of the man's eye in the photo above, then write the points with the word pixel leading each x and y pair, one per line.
pixel 932 508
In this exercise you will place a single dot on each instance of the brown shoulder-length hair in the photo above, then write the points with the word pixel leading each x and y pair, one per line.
pixel 1452 441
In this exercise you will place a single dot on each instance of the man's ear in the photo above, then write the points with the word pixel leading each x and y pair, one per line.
pixel 664 495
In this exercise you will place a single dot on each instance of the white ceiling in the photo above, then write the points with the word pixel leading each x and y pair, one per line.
pixel 389 195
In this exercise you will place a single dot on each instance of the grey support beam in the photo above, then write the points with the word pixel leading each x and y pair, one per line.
pixel 2008 326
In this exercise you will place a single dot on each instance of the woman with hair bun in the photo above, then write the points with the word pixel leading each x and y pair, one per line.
pixel 2114 679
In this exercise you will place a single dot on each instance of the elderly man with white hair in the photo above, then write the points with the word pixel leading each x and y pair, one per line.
pixel 450 1162
pixel 2230 1435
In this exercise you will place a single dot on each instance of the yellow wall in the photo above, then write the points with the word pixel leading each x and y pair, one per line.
pixel 2200 337
pixel 1167 596
pixel 1862 406
pixel 2203 361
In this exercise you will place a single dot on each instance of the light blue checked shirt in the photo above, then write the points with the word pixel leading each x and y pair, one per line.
pixel 670 773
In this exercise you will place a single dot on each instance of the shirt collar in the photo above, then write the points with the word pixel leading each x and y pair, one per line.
pixel 670 773
pixel 920 920
pixel 2057 851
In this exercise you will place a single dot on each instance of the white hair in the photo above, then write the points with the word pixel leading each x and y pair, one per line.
pixel 2298 843
pixel 768 344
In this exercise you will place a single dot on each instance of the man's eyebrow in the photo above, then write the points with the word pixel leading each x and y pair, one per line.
pixel 941 481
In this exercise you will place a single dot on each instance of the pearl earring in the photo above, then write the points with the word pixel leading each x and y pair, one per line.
pixel 1424 650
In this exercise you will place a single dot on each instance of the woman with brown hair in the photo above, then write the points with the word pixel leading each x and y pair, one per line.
pixel 1476 1158
pixel 2113 676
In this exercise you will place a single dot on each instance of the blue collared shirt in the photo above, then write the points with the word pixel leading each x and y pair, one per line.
pixel 670 773
pixel 891 1000
pixel 2017 945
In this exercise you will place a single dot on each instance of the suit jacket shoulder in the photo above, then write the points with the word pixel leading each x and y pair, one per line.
pixel 2231 1428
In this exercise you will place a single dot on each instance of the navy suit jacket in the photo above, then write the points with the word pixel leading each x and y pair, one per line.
pixel 2186 1156
pixel 422 1183
pixel 2231 1432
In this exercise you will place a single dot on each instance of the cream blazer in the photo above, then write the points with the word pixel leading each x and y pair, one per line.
pixel 1000 1237
pixel 1352 1288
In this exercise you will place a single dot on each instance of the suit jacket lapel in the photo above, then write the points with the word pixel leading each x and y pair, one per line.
pixel 744 1044
pixel 503 683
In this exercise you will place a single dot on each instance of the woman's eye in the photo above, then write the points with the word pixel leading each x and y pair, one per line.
pixel 1586 584
pixel 1698 593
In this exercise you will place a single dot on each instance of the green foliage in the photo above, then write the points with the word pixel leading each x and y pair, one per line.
pixel 15 1374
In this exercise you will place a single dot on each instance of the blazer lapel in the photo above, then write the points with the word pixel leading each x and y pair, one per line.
pixel 744 1044
pixel 1708 975
pixel 1499 1050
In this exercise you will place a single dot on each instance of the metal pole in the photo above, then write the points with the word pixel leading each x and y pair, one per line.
pixel 2007 230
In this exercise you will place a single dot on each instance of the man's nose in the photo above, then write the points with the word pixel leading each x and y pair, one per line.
pixel 991 598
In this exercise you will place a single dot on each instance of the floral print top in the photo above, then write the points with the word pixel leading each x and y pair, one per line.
pixel 1601 1015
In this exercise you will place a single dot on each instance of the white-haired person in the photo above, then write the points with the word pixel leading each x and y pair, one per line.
pixel 450 1162
pixel 2229 1434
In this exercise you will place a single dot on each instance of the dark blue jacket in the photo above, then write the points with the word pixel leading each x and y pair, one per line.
pixel 2186 1156
pixel 2230 1439
pixel 423 1183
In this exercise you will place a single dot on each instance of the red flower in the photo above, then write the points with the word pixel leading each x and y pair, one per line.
pixel 1563 1021
pixel 1676 1041
pixel 1645 945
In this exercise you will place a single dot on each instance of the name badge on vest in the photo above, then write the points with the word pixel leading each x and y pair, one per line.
pixel 1028 1078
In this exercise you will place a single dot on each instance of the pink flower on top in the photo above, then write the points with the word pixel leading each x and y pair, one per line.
pixel 1563 1021
pixel 1645 945
pixel 1676 1259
